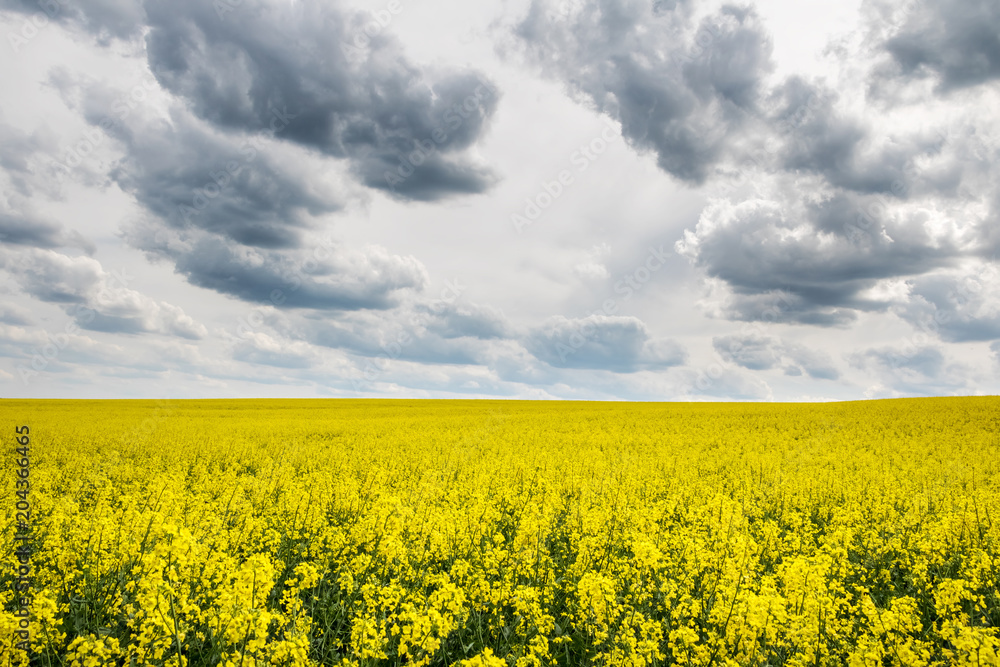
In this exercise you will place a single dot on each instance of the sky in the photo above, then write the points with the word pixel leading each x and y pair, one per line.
pixel 655 200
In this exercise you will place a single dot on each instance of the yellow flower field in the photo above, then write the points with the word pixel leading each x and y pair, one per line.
pixel 494 533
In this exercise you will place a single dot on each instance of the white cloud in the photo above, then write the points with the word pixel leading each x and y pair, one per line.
pixel 100 300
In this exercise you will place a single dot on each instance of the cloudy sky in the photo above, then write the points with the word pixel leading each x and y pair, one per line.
pixel 787 200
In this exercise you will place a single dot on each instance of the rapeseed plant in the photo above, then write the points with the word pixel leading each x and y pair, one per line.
pixel 515 534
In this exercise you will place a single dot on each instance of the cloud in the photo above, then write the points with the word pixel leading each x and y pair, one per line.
pixel 261 348
pixel 34 232
pixel 235 178
pixel 54 277
pixel 680 88
pixel 815 363
pixel 620 344
pixel 238 215
pixel 926 361
pixel 346 95
pixel 724 383
pixel 190 176
pixel 58 352
pixel 958 307
pixel 780 267
pixel 24 180
pixel 844 193
pixel 592 266
pixel 18 151
pixel 16 230
pixel 106 20
pixel 912 369
pixel 953 41
pixel 15 339
pixel 815 131
pixel 328 277
pixel 440 331
pixel 99 300
pixel 756 351
pixel 459 319
pixel 381 350
pixel 11 314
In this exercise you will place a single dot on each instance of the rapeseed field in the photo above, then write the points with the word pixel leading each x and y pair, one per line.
pixel 495 533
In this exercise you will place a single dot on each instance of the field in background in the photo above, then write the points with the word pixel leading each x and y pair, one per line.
pixel 489 533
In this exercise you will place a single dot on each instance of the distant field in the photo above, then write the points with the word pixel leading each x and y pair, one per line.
pixel 491 533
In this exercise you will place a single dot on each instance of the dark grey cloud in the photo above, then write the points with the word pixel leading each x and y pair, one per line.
pixel 435 178
pixel 810 253
pixel 617 343
pixel 695 94
pixel 225 199
pixel 191 177
pixel 780 269
pixel 403 129
pixel 233 213
pixel 954 41
pixel 113 324
pixel 680 89
pixel 784 306
pixel 816 137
